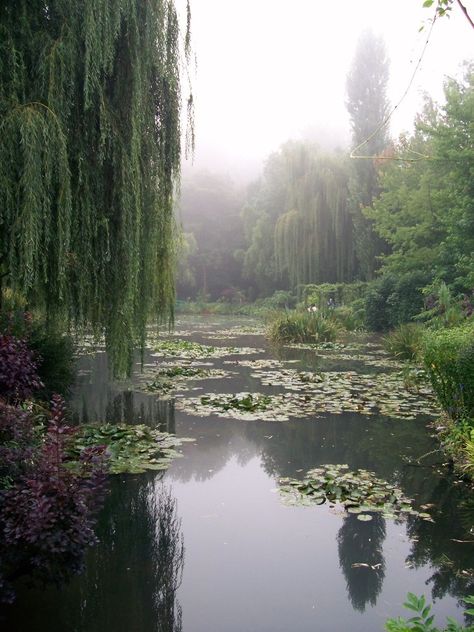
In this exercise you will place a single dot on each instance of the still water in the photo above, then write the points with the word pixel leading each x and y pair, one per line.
pixel 208 546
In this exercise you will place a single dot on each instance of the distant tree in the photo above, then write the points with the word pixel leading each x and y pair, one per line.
pixel 426 208
pixel 367 105
pixel 210 212
pixel 298 221
pixel 90 153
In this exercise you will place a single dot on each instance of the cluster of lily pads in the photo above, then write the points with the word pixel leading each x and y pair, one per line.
pixel 348 391
pixel 131 449
pixel 243 406
pixel 172 378
pixel 195 350
pixel 352 352
pixel 356 492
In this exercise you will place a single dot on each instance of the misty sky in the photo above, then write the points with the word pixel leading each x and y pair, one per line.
pixel 270 70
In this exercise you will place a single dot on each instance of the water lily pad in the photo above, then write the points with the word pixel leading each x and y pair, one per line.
pixel 130 448
pixel 359 492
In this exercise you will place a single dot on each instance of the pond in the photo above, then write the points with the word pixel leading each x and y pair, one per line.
pixel 211 546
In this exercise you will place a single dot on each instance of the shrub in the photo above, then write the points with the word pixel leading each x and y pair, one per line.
pixel 348 318
pixel 377 308
pixel 54 352
pixel 47 509
pixel 391 300
pixel 449 361
pixel 405 342
pixel 300 327
pixel 18 371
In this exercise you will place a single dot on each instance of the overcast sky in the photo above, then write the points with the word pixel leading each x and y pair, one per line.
pixel 270 70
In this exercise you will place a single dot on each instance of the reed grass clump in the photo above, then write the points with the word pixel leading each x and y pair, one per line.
pixel 303 327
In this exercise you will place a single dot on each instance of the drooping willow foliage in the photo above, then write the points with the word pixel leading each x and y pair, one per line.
pixel 302 202
pixel 314 239
pixel 90 99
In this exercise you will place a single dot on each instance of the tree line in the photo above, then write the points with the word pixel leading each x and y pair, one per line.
pixel 400 208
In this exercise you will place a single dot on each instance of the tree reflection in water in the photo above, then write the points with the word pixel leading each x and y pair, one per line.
pixel 168 553
pixel 133 575
pixel 362 543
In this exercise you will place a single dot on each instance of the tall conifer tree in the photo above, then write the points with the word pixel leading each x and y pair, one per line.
pixel 367 105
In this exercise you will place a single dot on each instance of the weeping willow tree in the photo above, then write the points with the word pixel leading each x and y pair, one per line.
pixel 90 100
pixel 313 240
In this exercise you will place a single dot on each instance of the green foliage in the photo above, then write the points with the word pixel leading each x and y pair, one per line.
pixel 445 311
pixel 394 299
pixel 341 293
pixel 359 492
pixel 405 342
pixel 426 208
pixel 348 318
pixel 377 310
pixel 303 327
pixel 130 448
pixel 56 363
pixel 423 620
pixel 246 402
pixel 90 101
pixel 297 220
pixel 449 362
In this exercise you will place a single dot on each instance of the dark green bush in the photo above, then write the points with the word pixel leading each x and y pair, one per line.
pixel 55 359
pixel 449 361
pixel 391 300
pixel 377 308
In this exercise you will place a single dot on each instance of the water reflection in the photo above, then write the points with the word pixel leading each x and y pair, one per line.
pixel 131 577
pixel 448 544
pixel 360 547
pixel 388 447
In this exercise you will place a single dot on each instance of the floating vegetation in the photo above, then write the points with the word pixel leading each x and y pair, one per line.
pixel 175 377
pixel 352 352
pixel 347 391
pixel 247 402
pixel 195 350
pixel 321 346
pixel 132 449
pixel 247 406
pixel 267 363
pixel 359 492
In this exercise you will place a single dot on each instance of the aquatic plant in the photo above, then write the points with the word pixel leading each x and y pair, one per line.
pixel 247 402
pixel 195 350
pixel 130 448
pixel 301 327
pixel 359 492
pixel 405 341
pixel 168 379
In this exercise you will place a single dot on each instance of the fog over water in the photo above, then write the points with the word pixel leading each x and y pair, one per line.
pixel 270 70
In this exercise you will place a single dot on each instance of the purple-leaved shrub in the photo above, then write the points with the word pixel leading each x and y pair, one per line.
pixel 18 376
pixel 48 505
